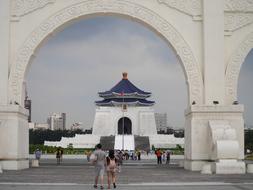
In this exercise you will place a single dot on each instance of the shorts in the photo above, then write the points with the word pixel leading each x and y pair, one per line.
pixel 111 170
pixel 99 171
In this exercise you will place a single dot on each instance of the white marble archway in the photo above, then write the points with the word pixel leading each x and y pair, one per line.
pixel 234 66
pixel 210 37
pixel 127 9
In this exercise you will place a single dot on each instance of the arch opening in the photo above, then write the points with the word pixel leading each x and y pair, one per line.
pixel 56 60
pixel 124 126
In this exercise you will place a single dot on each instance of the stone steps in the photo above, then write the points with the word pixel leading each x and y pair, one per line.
pixel 107 142
pixel 142 143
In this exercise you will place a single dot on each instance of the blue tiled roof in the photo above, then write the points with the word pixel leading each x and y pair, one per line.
pixel 127 100
pixel 125 92
pixel 126 87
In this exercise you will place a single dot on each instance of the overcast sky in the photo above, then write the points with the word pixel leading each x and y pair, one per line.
pixel 90 56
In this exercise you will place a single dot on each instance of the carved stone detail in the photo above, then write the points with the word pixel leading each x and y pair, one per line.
pixel 238 14
pixel 122 7
pixel 235 21
pixel 189 7
pixel 23 7
pixel 238 6
pixel 234 66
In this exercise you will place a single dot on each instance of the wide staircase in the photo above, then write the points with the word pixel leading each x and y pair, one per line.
pixel 142 143
pixel 125 142
pixel 107 142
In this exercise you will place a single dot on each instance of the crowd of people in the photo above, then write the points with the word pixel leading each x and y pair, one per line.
pixel 126 155
pixel 59 155
pixel 110 162
pixel 163 156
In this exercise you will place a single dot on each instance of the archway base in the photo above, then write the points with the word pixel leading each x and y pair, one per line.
pixel 14 138
pixel 215 135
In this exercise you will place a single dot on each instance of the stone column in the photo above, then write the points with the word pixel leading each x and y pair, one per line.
pixel 213 46
pixel 14 138
pixel 4 50
pixel 198 139
pixel 13 118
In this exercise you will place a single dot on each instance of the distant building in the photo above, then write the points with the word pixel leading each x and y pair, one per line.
pixel 36 126
pixel 161 121
pixel 31 125
pixel 57 121
pixel 75 126
pixel 28 103
pixel 179 133
pixel 88 131
pixel 124 110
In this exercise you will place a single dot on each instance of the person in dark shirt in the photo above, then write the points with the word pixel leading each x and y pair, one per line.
pixel 139 155
pixel 58 156
pixel 159 156
pixel 61 155
pixel 168 157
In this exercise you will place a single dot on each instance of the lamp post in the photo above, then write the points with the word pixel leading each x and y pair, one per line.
pixel 123 126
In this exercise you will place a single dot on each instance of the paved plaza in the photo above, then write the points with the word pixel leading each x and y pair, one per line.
pixel 77 174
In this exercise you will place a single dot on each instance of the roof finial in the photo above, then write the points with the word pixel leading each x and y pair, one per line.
pixel 124 75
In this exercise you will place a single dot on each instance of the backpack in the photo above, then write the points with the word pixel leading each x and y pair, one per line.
pixel 112 164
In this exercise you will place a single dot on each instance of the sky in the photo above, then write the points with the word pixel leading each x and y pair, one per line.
pixel 89 56
pixel 245 89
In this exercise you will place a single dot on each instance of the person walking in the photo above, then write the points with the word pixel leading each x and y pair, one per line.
pixel 58 156
pixel 168 157
pixel 119 157
pixel 99 163
pixel 88 154
pixel 37 155
pixel 139 154
pixel 61 154
pixel 163 156
pixel 111 168
pixel 159 156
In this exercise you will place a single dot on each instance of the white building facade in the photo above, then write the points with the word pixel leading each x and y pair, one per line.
pixel 107 120
pixel 124 110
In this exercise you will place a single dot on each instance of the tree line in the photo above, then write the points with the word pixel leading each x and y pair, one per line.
pixel 248 138
pixel 38 136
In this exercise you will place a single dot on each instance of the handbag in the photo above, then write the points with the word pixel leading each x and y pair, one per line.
pixel 93 158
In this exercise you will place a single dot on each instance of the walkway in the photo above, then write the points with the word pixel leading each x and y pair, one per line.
pixel 137 175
